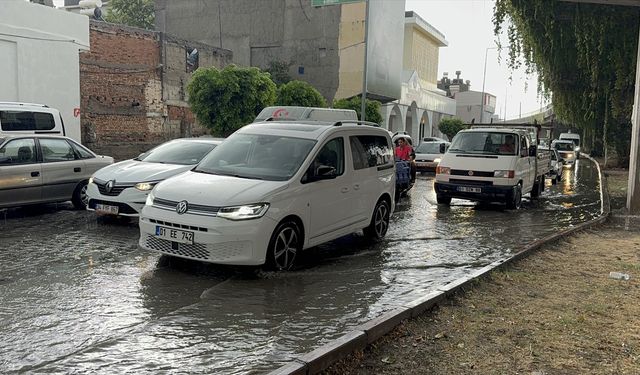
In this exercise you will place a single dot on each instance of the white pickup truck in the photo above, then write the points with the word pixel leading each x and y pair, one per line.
pixel 493 164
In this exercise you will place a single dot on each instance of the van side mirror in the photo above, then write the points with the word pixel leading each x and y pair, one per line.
pixel 533 150
pixel 323 172
pixel 442 148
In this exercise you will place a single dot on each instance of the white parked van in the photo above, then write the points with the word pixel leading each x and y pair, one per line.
pixel 271 190
pixel 29 118
pixel 573 137
pixel 492 165
pixel 305 113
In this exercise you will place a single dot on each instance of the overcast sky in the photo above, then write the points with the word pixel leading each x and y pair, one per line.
pixel 468 27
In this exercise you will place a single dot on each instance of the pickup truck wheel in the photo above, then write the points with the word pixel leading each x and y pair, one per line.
pixel 515 200
pixel 443 199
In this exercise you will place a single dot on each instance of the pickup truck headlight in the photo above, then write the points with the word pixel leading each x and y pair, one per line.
pixel 443 170
pixel 150 199
pixel 144 186
pixel 504 174
pixel 250 211
pixel 437 160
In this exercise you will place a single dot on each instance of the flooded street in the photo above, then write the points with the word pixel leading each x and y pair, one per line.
pixel 78 296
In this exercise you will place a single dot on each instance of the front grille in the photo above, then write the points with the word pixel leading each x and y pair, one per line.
pixel 195 251
pixel 471 182
pixel 176 225
pixel 462 172
pixel 196 209
pixel 115 190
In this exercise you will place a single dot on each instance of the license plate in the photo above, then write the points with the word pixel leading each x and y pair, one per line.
pixel 174 235
pixel 422 164
pixel 106 209
pixel 466 189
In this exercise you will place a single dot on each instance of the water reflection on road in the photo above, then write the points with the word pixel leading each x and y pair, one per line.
pixel 77 295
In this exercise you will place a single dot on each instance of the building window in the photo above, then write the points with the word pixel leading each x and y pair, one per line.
pixel 301 70
pixel 193 59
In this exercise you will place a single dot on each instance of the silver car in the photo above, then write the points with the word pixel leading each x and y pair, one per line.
pixel 45 168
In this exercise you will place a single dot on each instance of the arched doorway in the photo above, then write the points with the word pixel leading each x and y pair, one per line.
pixel 425 125
pixel 411 120
pixel 395 119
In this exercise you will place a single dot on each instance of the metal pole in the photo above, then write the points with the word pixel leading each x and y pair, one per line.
pixel 484 76
pixel 363 107
pixel 633 187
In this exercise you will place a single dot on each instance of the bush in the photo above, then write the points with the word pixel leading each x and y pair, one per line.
pixel 372 109
pixel 225 100
pixel 451 126
pixel 300 93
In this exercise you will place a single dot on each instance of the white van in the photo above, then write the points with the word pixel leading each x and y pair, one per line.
pixel 492 165
pixel 573 137
pixel 29 118
pixel 305 113
pixel 271 190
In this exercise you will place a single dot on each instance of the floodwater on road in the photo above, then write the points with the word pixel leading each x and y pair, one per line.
pixel 77 295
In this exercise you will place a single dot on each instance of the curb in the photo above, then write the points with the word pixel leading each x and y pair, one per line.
pixel 367 333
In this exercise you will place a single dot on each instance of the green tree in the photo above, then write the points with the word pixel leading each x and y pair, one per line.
pixel 300 93
pixel 279 71
pixel 372 108
pixel 451 126
pixel 137 13
pixel 585 58
pixel 225 100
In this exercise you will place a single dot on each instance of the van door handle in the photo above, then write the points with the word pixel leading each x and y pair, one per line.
pixel 35 174
pixel 77 169
pixel 356 187
pixel 344 190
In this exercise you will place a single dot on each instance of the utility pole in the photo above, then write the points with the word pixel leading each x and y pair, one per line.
pixel 363 114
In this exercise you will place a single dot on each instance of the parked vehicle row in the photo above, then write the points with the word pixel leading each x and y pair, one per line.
pixel 274 187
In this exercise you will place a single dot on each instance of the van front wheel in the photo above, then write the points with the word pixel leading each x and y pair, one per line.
pixel 284 246
pixel 515 199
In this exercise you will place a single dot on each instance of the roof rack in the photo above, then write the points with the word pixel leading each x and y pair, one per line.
pixel 25 104
pixel 279 119
pixel 357 122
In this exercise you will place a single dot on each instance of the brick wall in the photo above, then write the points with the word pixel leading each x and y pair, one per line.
pixel 124 83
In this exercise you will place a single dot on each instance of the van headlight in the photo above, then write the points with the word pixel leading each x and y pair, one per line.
pixel 443 170
pixel 246 212
pixel 144 186
pixel 437 160
pixel 150 199
pixel 90 180
pixel 504 174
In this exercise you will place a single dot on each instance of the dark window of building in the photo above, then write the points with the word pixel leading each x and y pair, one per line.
pixel 193 59
pixel 301 70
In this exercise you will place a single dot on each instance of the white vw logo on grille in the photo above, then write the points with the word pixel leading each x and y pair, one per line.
pixel 182 207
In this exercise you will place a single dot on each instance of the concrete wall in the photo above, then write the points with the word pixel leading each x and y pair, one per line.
pixel 39 57
pixel 133 85
pixel 351 47
pixel 259 32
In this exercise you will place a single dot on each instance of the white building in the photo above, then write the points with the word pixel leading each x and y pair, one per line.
pixel 422 105
pixel 469 105
pixel 39 58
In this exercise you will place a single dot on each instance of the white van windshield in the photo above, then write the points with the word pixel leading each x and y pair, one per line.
pixel 261 157
pixel 485 143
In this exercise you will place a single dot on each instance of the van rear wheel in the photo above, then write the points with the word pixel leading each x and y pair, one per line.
pixel 377 229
